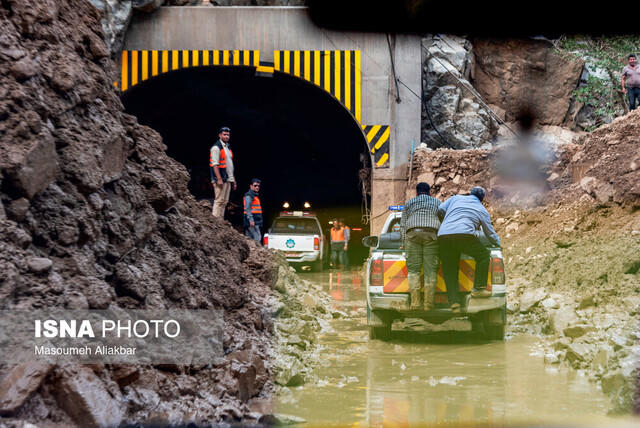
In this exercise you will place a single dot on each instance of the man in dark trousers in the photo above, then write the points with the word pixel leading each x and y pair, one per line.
pixel 252 216
pixel 419 227
pixel 221 166
pixel 463 215
pixel 631 81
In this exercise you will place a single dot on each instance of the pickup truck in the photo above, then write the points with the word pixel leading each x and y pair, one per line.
pixel 298 235
pixel 388 288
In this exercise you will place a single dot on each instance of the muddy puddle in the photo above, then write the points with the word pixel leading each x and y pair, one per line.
pixel 435 377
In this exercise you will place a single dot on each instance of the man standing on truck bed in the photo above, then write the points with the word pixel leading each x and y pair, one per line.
pixel 463 215
pixel 221 166
pixel 419 227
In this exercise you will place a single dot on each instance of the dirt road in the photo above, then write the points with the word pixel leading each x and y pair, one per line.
pixel 434 377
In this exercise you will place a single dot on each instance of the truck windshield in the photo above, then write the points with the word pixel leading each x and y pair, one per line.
pixel 295 225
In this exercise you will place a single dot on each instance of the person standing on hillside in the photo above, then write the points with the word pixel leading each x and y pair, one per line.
pixel 631 81
pixel 463 215
pixel 419 226
pixel 252 216
pixel 221 168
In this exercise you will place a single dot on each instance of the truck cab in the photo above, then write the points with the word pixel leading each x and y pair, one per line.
pixel 298 235
pixel 388 287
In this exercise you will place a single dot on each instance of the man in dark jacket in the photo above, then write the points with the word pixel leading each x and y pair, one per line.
pixel 252 217
pixel 419 227
pixel 463 215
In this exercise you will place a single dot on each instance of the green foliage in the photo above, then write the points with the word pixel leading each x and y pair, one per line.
pixel 605 53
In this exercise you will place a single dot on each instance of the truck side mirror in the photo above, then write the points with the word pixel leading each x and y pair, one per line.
pixel 370 241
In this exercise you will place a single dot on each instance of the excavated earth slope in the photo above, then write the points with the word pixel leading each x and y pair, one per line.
pixel 93 214
pixel 572 247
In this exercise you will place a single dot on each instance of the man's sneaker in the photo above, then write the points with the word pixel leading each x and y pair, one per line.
pixel 480 292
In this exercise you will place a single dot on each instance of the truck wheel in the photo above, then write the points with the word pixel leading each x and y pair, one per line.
pixel 491 324
pixel 317 266
pixel 380 333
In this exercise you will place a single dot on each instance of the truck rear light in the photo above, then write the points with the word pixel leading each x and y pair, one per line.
pixel 316 244
pixel 266 240
pixel 376 274
pixel 497 271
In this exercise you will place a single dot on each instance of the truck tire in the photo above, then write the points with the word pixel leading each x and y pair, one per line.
pixel 380 333
pixel 491 324
pixel 317 266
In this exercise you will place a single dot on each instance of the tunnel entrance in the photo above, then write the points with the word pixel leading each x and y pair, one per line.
pixel 301 142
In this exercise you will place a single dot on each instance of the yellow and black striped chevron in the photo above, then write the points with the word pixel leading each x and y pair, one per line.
pixel 337 72
pixel 138 66
pixel 378 141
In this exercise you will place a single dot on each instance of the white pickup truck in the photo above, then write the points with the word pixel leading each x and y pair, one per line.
pixel 298 235
pixel 388 287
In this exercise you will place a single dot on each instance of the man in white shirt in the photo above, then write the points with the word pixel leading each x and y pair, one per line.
pixel 221 167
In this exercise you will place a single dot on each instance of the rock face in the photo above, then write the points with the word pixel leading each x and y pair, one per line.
pixel 514 73
pixel 94 214
pixel 454 110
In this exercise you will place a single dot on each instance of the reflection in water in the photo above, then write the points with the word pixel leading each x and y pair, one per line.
pixel 436 378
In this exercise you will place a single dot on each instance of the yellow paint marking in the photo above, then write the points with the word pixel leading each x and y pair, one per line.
pixel 296 63
pixel 316 67
pixel 265 69
pixel 372 133
pixel 337 74
pixel 327 71
pixel 174 60
pixel 256 58
pixel 357 73
pixel 185 59
pixel 134 68
pixel 154 63
pixel 383 138
pixel 307 65
pixel 287 60
pixel 382 160
pixel 165 61
pixel 205 57
pixel 246 59
pixel 225 57
pixel 276 60
pixel 145 65
pixel 236 57
pixel 347 80
pixel 125 71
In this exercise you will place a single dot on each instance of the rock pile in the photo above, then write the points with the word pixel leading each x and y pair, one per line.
pixel 95 215
pixel 453 105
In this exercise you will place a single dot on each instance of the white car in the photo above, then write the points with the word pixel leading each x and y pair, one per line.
pixel 298 235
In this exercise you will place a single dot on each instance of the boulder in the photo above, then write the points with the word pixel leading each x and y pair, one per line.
pixel 19 383
pixel 83 396
pixel 39 264
pixel 116 16
pixel 531 298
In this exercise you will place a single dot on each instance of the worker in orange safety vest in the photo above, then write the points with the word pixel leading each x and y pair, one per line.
pixel 252 217
pixel 338 244
pixel 221 167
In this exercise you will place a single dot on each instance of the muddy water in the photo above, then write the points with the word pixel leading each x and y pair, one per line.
pixel 434 378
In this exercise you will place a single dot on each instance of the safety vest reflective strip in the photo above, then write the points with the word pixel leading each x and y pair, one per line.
pixel 222 162
pixel 256 208
pixel 337 234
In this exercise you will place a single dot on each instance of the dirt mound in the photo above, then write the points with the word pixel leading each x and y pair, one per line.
pixel 571 247
pixel 94 214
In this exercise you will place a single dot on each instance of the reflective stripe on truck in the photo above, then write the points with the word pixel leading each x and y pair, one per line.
pixel 396 281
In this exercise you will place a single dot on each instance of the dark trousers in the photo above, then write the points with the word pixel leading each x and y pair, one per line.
pixel 633 94
pixel 451 246
pixel 337 254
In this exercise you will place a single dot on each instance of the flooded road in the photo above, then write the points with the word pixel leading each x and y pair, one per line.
pixel 434 378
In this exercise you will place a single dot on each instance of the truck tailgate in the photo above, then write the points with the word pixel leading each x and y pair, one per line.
pixel 291 243
pixel 396 281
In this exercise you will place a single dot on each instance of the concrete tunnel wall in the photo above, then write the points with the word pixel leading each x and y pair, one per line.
pixel 268 29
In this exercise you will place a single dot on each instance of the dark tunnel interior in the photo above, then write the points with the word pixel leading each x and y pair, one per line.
pixel 301 142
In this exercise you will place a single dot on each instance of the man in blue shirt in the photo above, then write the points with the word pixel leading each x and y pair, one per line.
pixel 463 215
